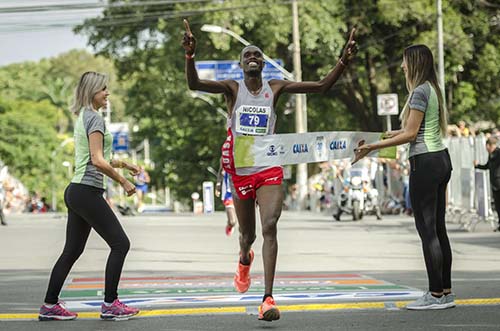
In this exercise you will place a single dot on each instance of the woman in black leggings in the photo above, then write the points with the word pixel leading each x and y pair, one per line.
pixel 86 205
pixel 424 123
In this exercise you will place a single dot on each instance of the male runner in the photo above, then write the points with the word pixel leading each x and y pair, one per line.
pixel 223 189
pixel 250 105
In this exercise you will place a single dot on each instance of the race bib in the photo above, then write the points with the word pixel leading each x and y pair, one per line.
pixel 253 120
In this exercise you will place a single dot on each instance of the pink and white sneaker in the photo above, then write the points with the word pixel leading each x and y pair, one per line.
pixel 58 312
pixel 117 311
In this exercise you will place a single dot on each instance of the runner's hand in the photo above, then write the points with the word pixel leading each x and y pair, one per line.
pixel 128 187
pixel 350 49
pixel 188 42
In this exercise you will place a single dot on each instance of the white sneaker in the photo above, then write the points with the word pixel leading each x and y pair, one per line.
pixel 449 300
pixel 428 301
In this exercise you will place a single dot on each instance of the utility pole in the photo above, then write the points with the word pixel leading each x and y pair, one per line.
pixel 300 110
pixel 440 46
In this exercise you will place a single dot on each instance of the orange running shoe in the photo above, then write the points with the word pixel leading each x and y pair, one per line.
pixel 268 311
pixel 242 278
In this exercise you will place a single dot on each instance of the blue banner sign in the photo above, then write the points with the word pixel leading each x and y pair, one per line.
pixel 227 69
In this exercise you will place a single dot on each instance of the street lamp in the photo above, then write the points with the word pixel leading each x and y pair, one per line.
pixel 203 97
pixel 219 29
pixel 67 164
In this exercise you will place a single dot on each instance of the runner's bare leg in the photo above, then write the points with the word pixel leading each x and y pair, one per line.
pixel 270 200
pixel 245 212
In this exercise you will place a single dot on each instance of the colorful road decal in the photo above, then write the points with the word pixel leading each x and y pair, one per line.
pixel 87 293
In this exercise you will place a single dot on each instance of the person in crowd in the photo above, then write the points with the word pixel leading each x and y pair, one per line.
pixel 223 189
pixel 493 165
pixel 141 184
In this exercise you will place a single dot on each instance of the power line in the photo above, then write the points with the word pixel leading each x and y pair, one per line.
pixel 79 6
pixel 117 20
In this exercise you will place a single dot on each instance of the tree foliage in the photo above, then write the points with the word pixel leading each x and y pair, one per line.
pixel 55 79
pixel 27 137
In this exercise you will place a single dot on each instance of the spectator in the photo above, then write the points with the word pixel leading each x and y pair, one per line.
pixel 223 190
pixel 141 184
pixel 493 165
pixel 464 131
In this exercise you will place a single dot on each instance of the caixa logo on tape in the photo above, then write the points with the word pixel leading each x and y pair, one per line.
pixel 338 144
pixel 300 148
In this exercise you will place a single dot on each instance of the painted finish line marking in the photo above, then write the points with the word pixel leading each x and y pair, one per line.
pixel 224 281
pixel 244 310
pixel 148 284
pixel 192 278
pixel 211 291
pixel 254 299
pixel 212 285
pixel 85 293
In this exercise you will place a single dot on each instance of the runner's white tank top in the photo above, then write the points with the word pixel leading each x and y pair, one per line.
pixel 252 115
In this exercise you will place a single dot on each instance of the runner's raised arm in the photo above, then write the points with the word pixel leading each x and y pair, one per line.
pixel 194 82
pixel 326 83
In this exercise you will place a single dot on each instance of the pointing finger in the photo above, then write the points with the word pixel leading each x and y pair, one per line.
pixel 188 29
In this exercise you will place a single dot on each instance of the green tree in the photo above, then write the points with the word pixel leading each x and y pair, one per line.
pixel 54 79
pixel 27 140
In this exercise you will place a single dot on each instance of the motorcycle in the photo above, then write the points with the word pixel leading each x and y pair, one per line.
pixel 371 203
pixel 358 198
pixel 352 199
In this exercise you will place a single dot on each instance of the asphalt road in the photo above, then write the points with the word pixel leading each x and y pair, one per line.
pixel 330 275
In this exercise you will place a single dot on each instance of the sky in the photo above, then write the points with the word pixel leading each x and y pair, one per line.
pixel 30 34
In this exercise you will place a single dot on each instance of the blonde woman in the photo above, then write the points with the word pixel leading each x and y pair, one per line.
pixel 86 205
pixel 424 124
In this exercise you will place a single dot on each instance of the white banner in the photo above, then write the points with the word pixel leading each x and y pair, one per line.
pixel 295 148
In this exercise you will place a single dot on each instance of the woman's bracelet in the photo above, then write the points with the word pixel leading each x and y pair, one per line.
pixel 342 62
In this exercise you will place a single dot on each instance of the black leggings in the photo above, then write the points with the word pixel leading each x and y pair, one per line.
pixel 496 200
pixel 430 173
pixel 88 209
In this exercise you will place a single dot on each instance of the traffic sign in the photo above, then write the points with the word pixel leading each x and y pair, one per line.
pixel 228 69
pixel 387 104
pixel 120 134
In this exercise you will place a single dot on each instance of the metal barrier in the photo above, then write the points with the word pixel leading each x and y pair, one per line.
pixel 468 192
pixel 469 189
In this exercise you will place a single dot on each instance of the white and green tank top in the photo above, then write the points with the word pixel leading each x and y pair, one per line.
pixel 253 115
pixel 429 137
pixel 90 121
